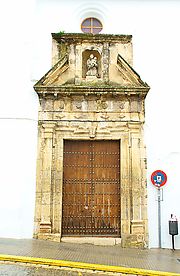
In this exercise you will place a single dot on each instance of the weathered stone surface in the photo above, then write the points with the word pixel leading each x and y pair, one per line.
pixel 133 241
pixel 75 106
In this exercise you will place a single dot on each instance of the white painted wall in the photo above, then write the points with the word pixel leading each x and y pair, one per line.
pixel 18 120
pixel 26 56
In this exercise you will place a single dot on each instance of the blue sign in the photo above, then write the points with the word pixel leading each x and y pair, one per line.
pixel 158 178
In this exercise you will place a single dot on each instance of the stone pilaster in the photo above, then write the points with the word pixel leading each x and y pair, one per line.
pixel 45 223
pixel 137 237
pixel 125 190
pixel 58 182
pixel 106 62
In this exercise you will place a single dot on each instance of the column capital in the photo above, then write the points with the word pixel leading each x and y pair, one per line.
pixel 48 130
pixel 48 127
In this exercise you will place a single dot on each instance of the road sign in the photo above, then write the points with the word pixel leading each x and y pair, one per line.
pixel 158 178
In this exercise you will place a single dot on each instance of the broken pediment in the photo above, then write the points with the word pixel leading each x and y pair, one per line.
pixel 123 74
pixel 54 75
pixel 92 61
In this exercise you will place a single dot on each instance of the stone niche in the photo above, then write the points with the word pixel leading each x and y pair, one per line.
pixel 85 57
pixel 103 104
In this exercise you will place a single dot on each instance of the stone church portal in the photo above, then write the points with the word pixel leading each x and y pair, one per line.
pixel 91 165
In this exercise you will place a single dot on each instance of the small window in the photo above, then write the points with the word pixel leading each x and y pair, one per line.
pixel 91 25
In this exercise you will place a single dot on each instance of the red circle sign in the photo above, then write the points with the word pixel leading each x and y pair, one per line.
pixel 158 178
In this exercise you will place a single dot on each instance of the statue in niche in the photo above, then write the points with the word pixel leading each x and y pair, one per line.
pixel 92 66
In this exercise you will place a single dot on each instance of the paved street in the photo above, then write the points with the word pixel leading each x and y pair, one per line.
pixel 19 270
pixel 151 259
pixel 38 270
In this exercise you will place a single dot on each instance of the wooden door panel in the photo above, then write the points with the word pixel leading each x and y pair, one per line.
pixel 106 168
pixel 76 160
pixel 91 188
pixel 77 214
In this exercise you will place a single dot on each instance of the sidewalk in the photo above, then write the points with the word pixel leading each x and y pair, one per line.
pixel 149 259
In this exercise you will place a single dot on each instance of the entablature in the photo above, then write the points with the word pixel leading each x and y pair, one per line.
pixel 80 90
pixel 97 38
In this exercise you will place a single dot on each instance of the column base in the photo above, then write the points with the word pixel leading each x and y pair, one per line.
pixel 48 237
pixel 133 241
pixel 45 227
pixel 137 237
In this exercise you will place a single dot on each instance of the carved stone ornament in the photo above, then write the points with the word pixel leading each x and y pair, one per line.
pixel 61 105
pixel 58 104
pixel 81 130
pixel 102 104
pixel 92 66
pixel 104 116
pixel 59 116
pixel 78 105
pixel 122 105
pixel 122 116
pixel 92 132
pixel 81 116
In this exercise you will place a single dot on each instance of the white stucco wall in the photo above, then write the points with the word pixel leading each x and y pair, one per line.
pixel 26 56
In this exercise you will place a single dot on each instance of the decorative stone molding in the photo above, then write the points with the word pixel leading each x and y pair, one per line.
pixel 98 38
pixel 59 116
pixel 137 226
pixel 76 105
pixel 122 105
pixel 45 227
pixel 104 116
pixel 101 104
pixel 92 131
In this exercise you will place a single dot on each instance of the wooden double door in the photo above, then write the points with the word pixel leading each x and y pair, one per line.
pixel 91 188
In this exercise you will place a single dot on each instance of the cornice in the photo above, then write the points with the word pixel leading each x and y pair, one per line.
pixel 79 90
pixel 82 37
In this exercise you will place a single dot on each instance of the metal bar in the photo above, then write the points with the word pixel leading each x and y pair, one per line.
pixel 173 242
pixel 159 216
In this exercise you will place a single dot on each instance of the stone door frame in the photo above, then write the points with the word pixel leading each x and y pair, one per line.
pixel 51 180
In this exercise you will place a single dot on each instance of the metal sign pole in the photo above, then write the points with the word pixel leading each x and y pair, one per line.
pixel 159 216
pixel 173 242
pixel 159 179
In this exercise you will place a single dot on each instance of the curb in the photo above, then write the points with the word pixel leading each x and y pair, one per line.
pixel 79 265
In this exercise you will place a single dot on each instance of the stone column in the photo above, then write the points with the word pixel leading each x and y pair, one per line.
pixel 45 223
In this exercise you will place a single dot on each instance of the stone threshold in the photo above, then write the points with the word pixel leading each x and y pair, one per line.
pixel 92 240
